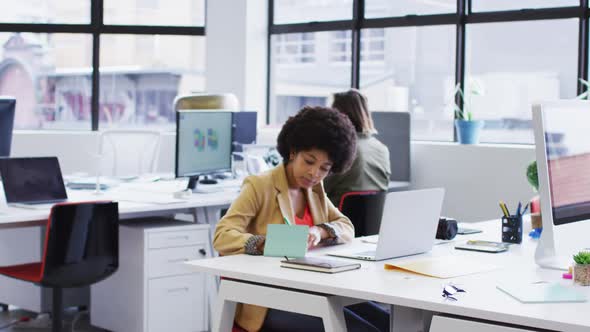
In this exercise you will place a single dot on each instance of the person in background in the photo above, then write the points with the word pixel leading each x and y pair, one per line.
pixel 370 169
pixel 314 143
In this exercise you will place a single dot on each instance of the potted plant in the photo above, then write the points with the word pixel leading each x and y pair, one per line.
pixel 582 268
pixel 468 129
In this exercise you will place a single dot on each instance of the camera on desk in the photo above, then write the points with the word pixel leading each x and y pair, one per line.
pixel 447 228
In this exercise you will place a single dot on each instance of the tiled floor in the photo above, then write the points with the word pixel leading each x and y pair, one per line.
pixel 82 323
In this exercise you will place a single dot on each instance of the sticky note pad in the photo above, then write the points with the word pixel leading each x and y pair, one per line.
pixel 286 240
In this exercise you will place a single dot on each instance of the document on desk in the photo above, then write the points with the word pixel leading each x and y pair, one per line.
pixel 541 292
pixel 442 267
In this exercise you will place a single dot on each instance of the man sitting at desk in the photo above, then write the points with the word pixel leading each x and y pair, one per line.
pixel 313 143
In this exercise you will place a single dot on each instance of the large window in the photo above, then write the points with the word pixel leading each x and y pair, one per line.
pixel 69 70
pixel 409 56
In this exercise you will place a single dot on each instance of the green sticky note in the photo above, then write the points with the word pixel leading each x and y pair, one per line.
pixel 286 240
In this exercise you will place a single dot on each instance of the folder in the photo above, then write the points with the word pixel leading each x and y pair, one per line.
pixel 542 292
pixel 286 240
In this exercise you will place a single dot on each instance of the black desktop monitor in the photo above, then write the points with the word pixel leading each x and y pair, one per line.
pixel 203 144
pixel 394 131
pixel 7 106
pixel 243 129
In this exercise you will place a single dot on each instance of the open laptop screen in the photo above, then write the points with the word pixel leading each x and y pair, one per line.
pixel 32 180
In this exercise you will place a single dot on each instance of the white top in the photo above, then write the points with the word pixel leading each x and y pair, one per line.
pixel 482 300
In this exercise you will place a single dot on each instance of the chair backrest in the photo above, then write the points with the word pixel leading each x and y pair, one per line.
pixel 129 152
pixel 364 209
pixel 394 131
pixel 204 101
pixel 81 244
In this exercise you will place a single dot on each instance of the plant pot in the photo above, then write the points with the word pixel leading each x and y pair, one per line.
pixel 582 274
pixel 468 131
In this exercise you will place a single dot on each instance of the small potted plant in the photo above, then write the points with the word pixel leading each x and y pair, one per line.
pixel 582 268
pixel 468 129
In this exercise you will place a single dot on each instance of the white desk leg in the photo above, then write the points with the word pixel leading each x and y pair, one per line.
pixel 225 310
pixel 333 316
pixel 408 319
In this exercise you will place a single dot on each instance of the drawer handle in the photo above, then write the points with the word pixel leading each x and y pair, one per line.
pixel 176 290
pixel 184 237
pixel 202 252
pixel 178 260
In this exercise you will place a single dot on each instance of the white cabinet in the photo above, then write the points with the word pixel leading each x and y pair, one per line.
pixel 152 291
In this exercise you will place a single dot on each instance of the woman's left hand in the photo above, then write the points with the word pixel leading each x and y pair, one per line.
pixel 316 234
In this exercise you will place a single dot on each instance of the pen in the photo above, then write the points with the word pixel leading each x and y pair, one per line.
pixel 518 208
pixel 525 208
pixel 504 209
pixel 286 221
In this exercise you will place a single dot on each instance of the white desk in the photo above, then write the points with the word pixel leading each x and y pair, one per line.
pixel 411 291
pixel 21 245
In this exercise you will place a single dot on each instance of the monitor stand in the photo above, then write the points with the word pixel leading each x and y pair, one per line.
pixel 193 180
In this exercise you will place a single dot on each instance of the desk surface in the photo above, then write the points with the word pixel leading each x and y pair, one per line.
pixel 135 200
pixel 372 282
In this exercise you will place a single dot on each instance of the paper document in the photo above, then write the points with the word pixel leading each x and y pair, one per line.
pixel 442 267
pixel 542 292
pixel 286 240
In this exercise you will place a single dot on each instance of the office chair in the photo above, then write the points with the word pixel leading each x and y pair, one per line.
pixel 364 209
pixel 140 146
pixel 81 248
pixel 225 101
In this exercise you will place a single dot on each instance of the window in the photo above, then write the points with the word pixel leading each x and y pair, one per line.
pixel 372 46
pixel 312 82
pixel 413 53
pixel 296 11
pixel 417 77
pixel 295 48
pixel 510 66
pixel 385 8
pixel 496 5
pixel 52 74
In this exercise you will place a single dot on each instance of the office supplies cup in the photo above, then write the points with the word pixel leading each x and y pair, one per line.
pixel 512 228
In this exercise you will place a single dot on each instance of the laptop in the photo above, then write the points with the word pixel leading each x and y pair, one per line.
pixel 32 182
pixel 408 225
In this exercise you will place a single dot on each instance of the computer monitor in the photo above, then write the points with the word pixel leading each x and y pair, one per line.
pixel 7 106
pixel 563 164
pixel 393 130
pixel 243 129
pixel 203 144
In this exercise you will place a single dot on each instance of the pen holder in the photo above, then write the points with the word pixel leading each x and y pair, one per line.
pixel 512 229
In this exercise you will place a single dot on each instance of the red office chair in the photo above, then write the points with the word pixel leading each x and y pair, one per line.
pixel 364 209
pixel 81 248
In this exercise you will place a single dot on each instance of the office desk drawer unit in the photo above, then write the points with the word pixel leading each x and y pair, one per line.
pixel 153 291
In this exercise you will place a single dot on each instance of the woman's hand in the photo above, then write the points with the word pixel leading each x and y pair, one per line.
pixel 316 234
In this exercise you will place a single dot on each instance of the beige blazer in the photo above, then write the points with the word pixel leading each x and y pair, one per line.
pixel 264 199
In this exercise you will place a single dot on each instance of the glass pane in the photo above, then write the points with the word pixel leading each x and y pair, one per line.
pixel 509 66
pixel 44 11
pixel 495 5
pixel 388 8
pixel 142 74
pixel 416 74
pixel 298 11
pixel 155 12
pixel 306 69
pixel 50 76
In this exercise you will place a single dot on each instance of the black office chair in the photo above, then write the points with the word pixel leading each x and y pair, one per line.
pixel 81 248
pixel 364 209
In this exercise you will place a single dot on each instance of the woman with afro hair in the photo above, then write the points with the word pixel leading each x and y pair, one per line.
pixel 317 141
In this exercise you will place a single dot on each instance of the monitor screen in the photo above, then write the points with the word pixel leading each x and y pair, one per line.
pixel 32 180
pixel 568 163
pixel 243 129
pixel 7 106
pixel 203 142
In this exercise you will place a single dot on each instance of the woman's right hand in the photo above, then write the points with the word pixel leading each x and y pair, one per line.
pixel 260 244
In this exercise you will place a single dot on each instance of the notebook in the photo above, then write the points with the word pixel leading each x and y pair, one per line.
pixel 286 240
pixel 319 265
pixel 541 292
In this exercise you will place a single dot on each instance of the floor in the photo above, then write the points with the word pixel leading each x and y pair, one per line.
pixel 82 322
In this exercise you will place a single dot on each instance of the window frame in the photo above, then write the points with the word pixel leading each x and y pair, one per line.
pixel 97 28
pixel 463 17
